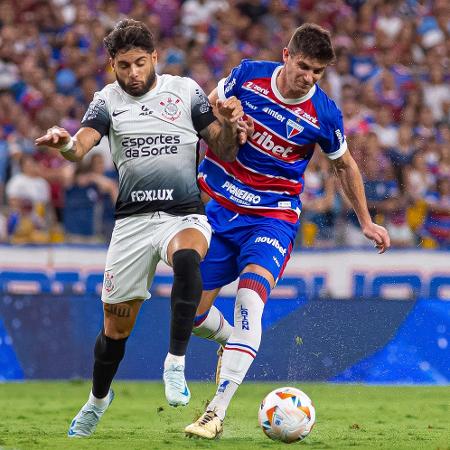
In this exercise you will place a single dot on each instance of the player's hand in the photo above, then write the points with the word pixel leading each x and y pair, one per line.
pixel 378 235
pixel 230 109
pixel 55 137
pixel 246 128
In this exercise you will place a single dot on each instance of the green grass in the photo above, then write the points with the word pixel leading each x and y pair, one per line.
pixel 37 415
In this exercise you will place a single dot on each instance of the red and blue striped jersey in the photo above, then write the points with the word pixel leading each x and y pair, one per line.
pixel 267 176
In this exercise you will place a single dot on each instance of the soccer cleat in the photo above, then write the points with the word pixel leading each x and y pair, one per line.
pixel 207 426
pixel 85 422
pixel 177 392
pixel 219 364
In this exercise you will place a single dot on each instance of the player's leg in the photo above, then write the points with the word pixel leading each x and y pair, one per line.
pixel 209 322
pixel 270 248
pixel 130 264
pixel 119 320
pixel 253 290
pixel 184 252
pixel 218 269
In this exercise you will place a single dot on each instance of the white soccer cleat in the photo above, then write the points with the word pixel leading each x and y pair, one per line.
pixel 85 422
pixel 207 426
pixel 177 392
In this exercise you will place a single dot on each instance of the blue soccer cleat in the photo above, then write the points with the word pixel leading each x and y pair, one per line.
pixel 85 422
pixel 177 392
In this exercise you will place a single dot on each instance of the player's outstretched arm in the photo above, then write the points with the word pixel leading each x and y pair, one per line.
pixel 222 136
pixel 71 148
pixel 349 175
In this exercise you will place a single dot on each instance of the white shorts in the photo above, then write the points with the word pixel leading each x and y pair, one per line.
pixel 138 243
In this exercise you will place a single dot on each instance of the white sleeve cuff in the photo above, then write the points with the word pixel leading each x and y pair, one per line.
pixel 339 152
pixel 221 89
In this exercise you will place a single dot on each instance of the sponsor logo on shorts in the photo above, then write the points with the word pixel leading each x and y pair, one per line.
pixel 245 322
pixel 273 242
pixel 152 195
pixel 108 281
pixel 241 195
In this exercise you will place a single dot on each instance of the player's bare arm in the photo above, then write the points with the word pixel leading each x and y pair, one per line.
pixel 222 136
pixel 349 175
pixel 71 148
pixel 246 125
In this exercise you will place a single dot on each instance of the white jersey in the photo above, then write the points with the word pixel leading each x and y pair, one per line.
pixel 153 141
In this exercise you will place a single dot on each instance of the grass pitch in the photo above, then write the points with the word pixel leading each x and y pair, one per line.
pixel 37 416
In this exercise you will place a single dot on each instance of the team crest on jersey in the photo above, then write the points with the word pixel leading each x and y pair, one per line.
pixel 108 282
pixel 293 128
pixel 171 109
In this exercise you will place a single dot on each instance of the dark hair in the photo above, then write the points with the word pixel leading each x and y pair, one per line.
pixel 312 41
pixel 128 34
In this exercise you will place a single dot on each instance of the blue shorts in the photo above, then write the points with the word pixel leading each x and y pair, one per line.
pixel 239 240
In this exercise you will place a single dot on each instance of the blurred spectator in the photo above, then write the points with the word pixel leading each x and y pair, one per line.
pixel 84 201
pixel 436 227
pixel 28 197
pixel 318 197
pixel 436 94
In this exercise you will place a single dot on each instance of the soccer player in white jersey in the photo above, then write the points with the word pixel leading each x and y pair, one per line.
pixel 152 122
pixel 255 200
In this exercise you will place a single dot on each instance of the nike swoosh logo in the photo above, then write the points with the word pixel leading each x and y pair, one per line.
pixel 186 392
pixel 116 113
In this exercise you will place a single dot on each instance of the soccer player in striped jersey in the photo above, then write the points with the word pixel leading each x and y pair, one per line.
pixel 255 200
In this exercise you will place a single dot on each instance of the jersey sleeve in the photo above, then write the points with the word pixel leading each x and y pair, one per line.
pixel 201 109
pixel 97 114
pixel 227 87
pixel 332 139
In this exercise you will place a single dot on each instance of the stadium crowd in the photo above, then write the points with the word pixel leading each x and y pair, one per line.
pixel 391 81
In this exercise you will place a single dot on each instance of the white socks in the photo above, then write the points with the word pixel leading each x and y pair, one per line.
pixel 99 402
pixel 213 326
pixel 222 399
pixel 241 341
pixel 243 344
pixel 241 348
pixel 173 359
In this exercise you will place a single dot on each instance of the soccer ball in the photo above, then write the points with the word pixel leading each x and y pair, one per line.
pixel 287 415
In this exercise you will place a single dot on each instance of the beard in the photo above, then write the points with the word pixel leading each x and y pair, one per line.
pixel 142 89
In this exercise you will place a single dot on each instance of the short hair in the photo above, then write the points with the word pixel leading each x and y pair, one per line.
pixel 128 34
pixel 312 41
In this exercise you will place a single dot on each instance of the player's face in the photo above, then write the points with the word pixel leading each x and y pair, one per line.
pixel 135 71
pixel 301 73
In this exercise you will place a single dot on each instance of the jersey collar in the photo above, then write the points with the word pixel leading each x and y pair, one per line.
pixel 289 101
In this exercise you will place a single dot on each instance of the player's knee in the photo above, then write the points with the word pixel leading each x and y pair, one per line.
pixel 108 350
pixel 187 276
pixel 186 262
